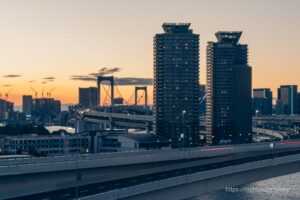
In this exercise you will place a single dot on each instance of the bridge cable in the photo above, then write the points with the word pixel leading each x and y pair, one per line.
pixel 204 97
pixel 107 93
pixel 139 99
pixel 131 97
pixel 117 88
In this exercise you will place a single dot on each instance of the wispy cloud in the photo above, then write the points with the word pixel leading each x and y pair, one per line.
pixel 32 81
pixel 12 75
pixel 93 76
pixel 105 71
pixel 6 85
pixel 49 78
pixel 133 81
pixel 119 81
pixel 83 78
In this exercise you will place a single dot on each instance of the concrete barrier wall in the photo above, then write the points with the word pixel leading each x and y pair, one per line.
pixel 31 183
pixel 258 167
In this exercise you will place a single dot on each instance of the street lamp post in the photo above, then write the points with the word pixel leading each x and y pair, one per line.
pixel 272 146
pixel 189 146
pixel 183 128
pixel 78 144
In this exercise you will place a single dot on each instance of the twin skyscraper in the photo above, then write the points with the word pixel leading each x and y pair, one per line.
pixel 176 87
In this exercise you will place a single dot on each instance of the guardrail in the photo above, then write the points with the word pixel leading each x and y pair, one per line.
pixel 70 162
pixel 72 157
pixel 91 161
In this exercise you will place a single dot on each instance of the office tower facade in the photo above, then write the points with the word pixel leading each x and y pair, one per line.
pixel 279 110
pixel 228 105
pixel 287 100
pixel 176 85
pixel 88 97
pixel 262 101
pixel 27 104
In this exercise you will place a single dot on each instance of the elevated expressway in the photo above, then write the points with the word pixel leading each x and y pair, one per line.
pixel 145 121
pixel 110 173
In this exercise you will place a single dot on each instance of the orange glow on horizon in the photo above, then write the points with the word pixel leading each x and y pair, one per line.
pixel 71 97
pixel 65 38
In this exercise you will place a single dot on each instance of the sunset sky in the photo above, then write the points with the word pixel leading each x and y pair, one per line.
pixel 45 42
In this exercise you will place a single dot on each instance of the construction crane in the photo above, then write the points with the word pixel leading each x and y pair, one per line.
pixel 49 93
pixel 7 93
pixel 43 92
pixel 35 92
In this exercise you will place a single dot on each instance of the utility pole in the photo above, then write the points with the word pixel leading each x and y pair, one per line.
pixel 77 177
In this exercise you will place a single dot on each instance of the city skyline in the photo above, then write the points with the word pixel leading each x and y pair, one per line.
pixel 67 38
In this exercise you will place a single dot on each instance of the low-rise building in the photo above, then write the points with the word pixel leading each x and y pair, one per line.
pixel 90 142
pixel 129 142
pixel 46 144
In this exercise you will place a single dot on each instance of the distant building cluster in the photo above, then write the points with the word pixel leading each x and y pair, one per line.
pixel 287 102
pixel 7 113
pixel 262 101
pixel 42 110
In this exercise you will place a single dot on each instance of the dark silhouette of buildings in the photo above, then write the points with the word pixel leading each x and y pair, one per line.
pixel 287 102
pixel 8 114
pixel 119 101
pixel 45 109
pixel 88 97
pixel 229 109
pixel 298 96
pixel 27 104
pixel 6 108
pixel 262 101
pixel 176 85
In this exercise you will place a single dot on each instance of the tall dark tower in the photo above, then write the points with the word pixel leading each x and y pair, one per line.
pixel 176 85
pixel 27 104
pixel 88 97
pixel 228 90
